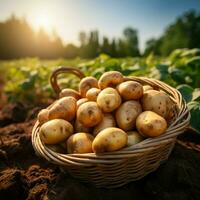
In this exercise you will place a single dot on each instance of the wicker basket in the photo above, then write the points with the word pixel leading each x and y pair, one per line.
pixel 115 169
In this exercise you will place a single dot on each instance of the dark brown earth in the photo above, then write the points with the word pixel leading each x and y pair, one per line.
pixel 23 175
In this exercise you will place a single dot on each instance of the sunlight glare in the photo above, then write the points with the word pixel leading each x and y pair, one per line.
pixel 43 21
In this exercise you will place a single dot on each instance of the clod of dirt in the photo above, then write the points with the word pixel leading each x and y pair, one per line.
pixel 37 180
pixel 11 185
pixel 12 113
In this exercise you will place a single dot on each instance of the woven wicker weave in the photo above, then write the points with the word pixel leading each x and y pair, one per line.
pixel 115 169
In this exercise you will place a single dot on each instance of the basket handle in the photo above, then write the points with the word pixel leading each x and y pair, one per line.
pixel 60 70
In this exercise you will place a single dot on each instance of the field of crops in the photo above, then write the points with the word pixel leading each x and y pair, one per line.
pixel 27 90
pixel 27 80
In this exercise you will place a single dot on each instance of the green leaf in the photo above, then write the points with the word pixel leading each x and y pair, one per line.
pixel 177 75
pixel 195 61
pixel 194 108
pixel 186 92
pixel 196 94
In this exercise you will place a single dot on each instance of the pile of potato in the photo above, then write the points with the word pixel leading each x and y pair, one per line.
pixel 104 116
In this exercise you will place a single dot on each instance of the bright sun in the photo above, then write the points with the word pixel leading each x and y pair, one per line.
pixel 43 21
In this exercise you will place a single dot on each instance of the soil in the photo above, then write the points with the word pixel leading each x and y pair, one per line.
pixel 23 175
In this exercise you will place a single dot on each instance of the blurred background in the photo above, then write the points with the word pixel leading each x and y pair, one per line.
pixel 158 39
pixel 85 28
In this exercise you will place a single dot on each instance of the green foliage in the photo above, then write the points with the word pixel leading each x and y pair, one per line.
pixel 192 97
pixel 194 107
pixel 183 33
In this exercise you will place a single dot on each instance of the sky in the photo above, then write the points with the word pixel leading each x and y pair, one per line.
pixel 110 17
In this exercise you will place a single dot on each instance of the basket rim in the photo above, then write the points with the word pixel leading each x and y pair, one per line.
pixel 175 128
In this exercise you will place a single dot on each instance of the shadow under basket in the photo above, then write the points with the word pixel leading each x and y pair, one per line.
pixel 115 169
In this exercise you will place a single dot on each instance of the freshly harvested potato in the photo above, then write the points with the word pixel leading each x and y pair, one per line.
pixel 81 101
pixel 55 131
pixel 127 113
pixel 80 143
pixel 69 93
pixel 80 127
pixel 158 102
pixel 89 114
pixel 64 108
pixel 92 94
pixel 108 99
pixel 147 87
pixel 86 84
pixel 57 148
pixel 133 138
pixel 43 116
pixel 107 121
pixel 130 90
pixel 109 139
pixel 150 124
pixel 110 79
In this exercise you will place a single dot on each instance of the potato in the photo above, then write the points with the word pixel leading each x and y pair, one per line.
pixel 133 138
pixel 109 139
pixel 108 99
pixel 157 101
pixel 107 121
pixel 127 113
pixel 69 92
pixel 80 143
pixel 86 84
pixel 110 79
pixel 92 94
pixel 150 124
pixel 80 127
pixel 55 131
pixel 64 108
pixel 130 90
pixel 57 148
pixel 43 116
pixel 147 87
pixel 89 114
pixel 81 101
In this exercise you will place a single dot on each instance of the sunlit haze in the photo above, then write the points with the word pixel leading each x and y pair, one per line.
pixel 110 17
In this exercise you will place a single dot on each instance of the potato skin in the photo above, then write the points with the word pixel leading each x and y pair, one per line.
pixel 69 92
pixel 80 143
pixel 130 90
pixel 134 137
pixel 108 99
pixel 110 79
pixel 147 87
pixel 86 84
pixel 80 127
pixel 89 114
pixel 156 101
pixel 107 121
pixel 55 131
pixel 81 101
pixel 109 139
pixel 43 116
pixel 150 124
pixel 127 113
pixel 64 108
pixel 92 94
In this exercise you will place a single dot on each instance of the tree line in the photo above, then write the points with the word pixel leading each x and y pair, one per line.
pixel 183 33
pixel 18 39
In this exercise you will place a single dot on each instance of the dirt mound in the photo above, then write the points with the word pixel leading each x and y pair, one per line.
pixel 23 175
